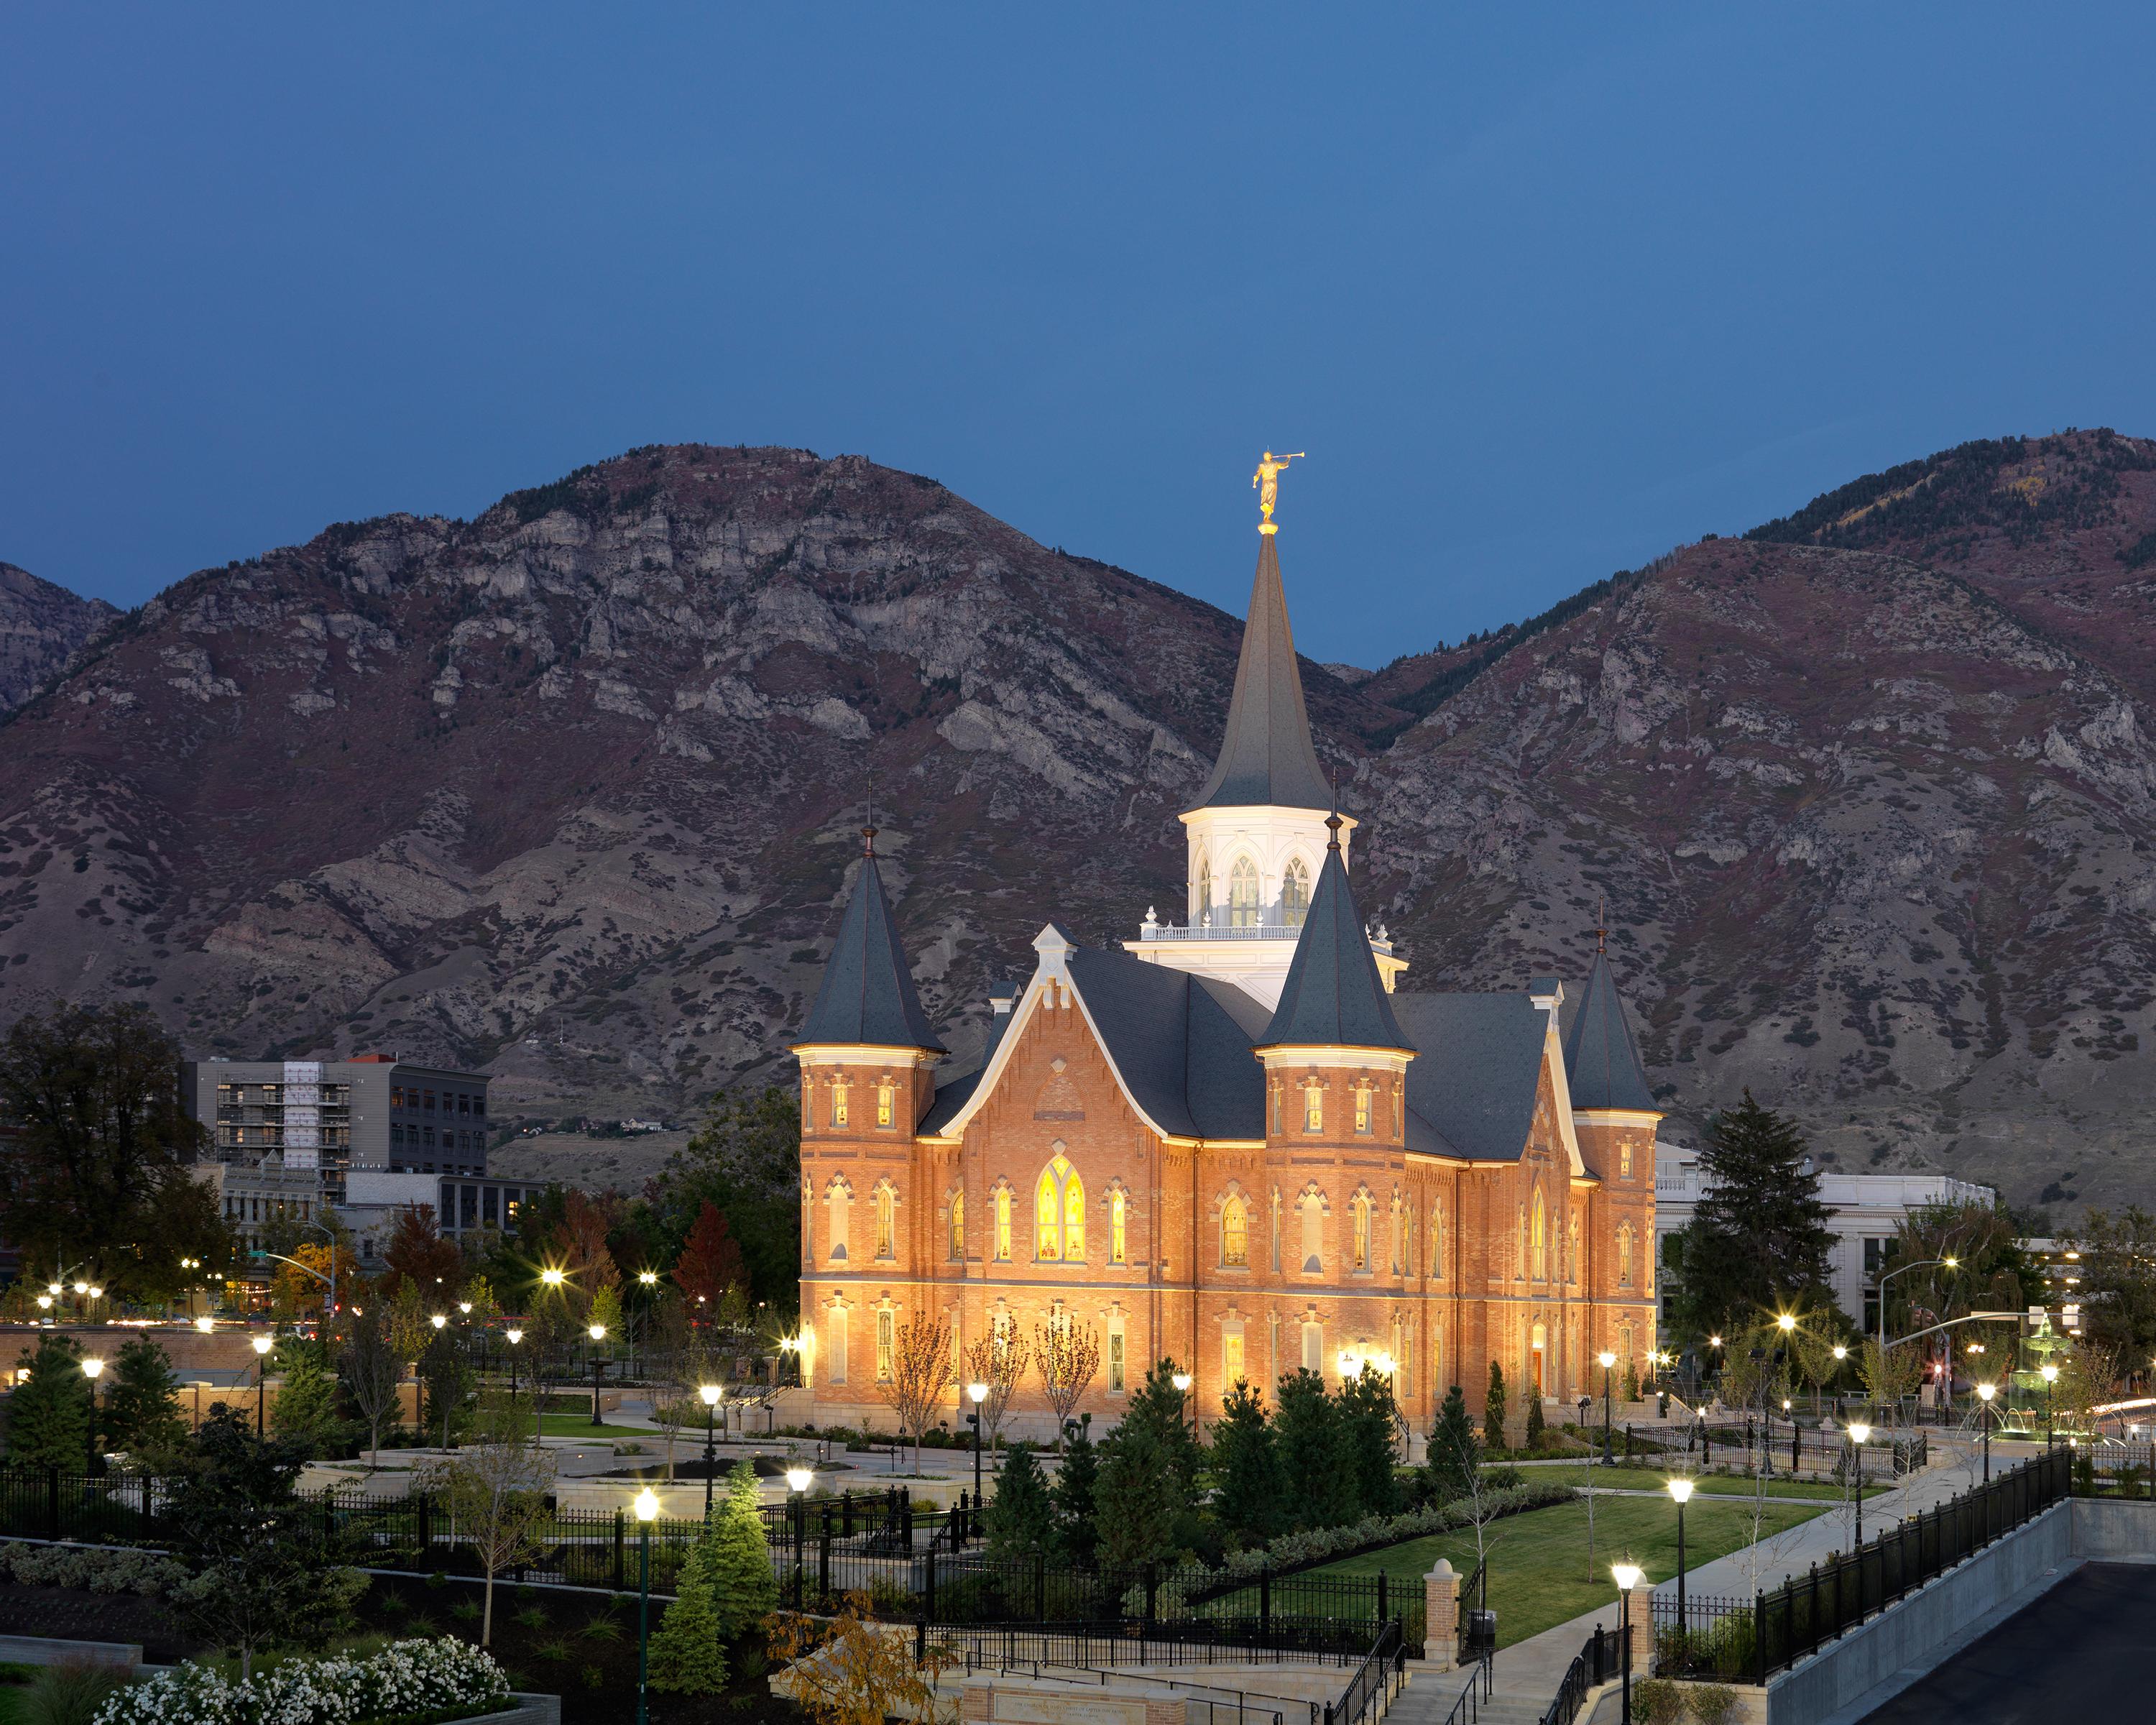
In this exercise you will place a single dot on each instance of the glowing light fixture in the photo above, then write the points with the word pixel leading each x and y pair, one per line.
pixel 1681 1490
pixel 647 1505
pixel 1181 1380
pixel 439 1322
pixel 598 1332
pixel 263 1344
pixel 979 1391
pixel 710 1392
pixel 1859 1433
pixel 205 1324
pixel 1626 1576
pixel 1786 1323
pixel 1985 1391
pixel 799 1478
pixel 514 1336
pixel 1605 1359
pixel 93 1369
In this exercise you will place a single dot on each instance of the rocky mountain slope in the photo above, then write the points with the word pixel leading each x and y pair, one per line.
pixel 569 790
pixel 41 626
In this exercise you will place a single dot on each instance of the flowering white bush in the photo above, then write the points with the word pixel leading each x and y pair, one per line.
pixel 103 1569
pixel 409 1677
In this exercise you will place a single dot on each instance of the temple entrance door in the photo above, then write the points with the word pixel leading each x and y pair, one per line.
pixel 1538 1353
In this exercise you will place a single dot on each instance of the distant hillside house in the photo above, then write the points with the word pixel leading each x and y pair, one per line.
pixel 1230 1143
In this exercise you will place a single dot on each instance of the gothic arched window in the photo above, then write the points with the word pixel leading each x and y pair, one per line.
pixel 1295 894
pixel 1118 1235
pixel 1003 1224
pixel 1362 1230
pixel 1243 911
pixel 957 1226
pixel 1058 1213
pixel 1201 900
pixel 1537 1250
pixel 886 1221
pixel 1235 1232
pixel 1623 1254
pixel 1313 1232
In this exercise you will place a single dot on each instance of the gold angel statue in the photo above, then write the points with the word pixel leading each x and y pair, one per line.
pixel 1265 481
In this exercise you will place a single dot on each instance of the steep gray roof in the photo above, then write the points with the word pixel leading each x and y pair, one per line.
pixel 1479 1062
pixel 868 995
pixel 1266 755
pixel 1182 1043
pixel 1333 993
pixel 1601 1059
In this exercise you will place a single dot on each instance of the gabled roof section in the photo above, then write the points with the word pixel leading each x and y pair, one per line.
pixel 1266 756
pixel 1180 1044
pixel 1481 1065
pixel 1601 1059
pixel 867 998
pixel 1333 996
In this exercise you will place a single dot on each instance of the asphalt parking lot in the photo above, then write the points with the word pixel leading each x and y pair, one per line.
pixel 2079 1653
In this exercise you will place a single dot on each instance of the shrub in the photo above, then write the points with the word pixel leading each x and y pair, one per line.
pixel 1657 1701
pixel 1711 1703
pixel 102 1569
pixel 69 1694
pixel 405 1678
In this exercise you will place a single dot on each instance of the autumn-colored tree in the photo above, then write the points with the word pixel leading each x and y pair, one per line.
pixel 297 1292
pixel 418 1254
pixel 854 1670
pixel 920 1374
pixel 711 1263
pixel 998 1360
pixel 1066 1354
pixel 578 1249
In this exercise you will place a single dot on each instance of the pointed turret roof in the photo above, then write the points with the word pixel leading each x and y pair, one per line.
pixel 1601 1060
pixel 1266 756
pixel 1334 995
pixel 867 998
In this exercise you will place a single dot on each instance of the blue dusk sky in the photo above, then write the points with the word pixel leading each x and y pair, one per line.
pixel 1543 289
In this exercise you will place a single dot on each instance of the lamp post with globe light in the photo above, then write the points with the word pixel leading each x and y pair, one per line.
pixel 975 1393
pixel 1627 1577
pixel 2050 1374
pixel 797 1481
pixel 263 1344
pixel 1985 1391
pixel 93 1369
pixel 1182 1381
pixel 597 1333
pixel 1681 1491
pixel 647 1512
pixel 709 1394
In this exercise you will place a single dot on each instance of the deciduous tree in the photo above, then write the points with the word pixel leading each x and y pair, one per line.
pixel 495 1490
pixel 418 1257
pixel 1066 1354
pixel 998 1360
pixel 710 1262
pixel 920 1374
pixel 371 1368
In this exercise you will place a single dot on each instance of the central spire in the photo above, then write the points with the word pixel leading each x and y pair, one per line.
pixel 1266 757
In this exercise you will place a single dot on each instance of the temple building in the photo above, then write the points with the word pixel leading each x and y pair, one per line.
pixel 1234 1143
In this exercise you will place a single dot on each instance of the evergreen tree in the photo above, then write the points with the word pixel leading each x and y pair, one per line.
pixel 1249 1490
pixel 1164 1410
pixel 744 1586
pixel 1494 1409
pixel 688 1654
pixel 304 1413
pixel 1366 1443
pixel 1536 1428
pixel 138 1415
pixel 1075 1483
pixel 1020 1518
pixel 1138 1506
pixel 48 1413
pixel 1321 1491
pixel 1758 1240
pixel 1631 1381
pixel 1454 1452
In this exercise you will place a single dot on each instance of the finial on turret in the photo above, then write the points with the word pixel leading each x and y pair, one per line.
pixel 1601 927
pixel 869 831
pixel 1332 821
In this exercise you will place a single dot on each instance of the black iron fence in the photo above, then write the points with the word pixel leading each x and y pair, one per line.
pixel 1737 1641
pixel 1595 1663
pixel 1478 1629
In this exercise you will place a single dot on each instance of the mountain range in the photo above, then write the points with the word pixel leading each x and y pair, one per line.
pixel 1866 799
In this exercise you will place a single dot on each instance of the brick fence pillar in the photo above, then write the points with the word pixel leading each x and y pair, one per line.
pixel 1440 1609
pixel 1642 1620
pixel 977 1701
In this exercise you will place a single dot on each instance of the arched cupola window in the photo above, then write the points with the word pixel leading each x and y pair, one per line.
pixel 1295 894
pixel 1243 909
pixel 1060 1214
pixel 1235 1232
pixel 1201 897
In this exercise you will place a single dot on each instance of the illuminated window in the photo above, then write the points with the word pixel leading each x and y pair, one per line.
pixel 1362 1107
pixel 1201 898
pixel 957 1226
pixel 1313 1107
pixel 1624 1255
pixel 1118 1241
pixel 1362 1230
pixel 839 1110
pixel 1437 1242
pixel 1231 1358
pixel 1115 1362
pixel 886 1230
pixel 1003 1223
pixel 1059 1211
pixel 1243 895
pixel 885 1097
pixel 1536 1255
pixel 1295 894
pixel 887 1344
pixel 1235 1239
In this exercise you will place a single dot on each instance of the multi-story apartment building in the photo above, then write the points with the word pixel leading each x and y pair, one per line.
pixel 374 1111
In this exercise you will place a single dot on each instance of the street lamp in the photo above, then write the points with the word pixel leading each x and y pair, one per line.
pixel 598 1335
pixel 205 1324
pixel 1985 1391
pixel 1605 1359
pixel 1949 1263
pixel 1681 1491
pixel 1859 1434
pixel 647 1510
pixel 710 1393
pixel 2050 1374
pixel 263 1344
pixel 977 1393
pixel 798 1480
pixel 1627 1577
pixel 91 1369
pixel 1182 1381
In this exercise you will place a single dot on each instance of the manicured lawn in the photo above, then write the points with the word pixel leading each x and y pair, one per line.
pixel 1622 1478
pixel 577 1425
pixel 1539 1572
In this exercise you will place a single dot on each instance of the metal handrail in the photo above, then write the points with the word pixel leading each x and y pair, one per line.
pixel 1479 1683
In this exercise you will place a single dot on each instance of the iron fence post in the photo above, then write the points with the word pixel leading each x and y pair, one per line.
pixel 1265 1605
pixel 618 1532
pixel 52 1503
